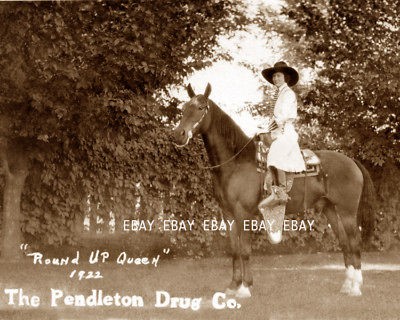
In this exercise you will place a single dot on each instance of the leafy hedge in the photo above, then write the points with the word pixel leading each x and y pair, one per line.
pixel 83 84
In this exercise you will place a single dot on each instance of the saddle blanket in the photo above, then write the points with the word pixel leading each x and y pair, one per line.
pixel 313 164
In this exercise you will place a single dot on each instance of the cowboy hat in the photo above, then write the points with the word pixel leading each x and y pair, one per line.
pixel 281 66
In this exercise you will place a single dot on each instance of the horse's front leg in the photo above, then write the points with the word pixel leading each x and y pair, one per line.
pixel 236 261
pixel 247 277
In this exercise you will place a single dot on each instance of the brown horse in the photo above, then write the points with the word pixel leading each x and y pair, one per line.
pixel 346 198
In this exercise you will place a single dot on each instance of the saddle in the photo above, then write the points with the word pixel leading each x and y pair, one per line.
pixel 313 164
pixel 311 160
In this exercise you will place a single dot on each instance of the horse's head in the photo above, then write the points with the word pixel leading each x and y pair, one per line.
pixel 194 116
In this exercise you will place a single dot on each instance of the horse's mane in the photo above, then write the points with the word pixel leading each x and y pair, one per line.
pixel 233 135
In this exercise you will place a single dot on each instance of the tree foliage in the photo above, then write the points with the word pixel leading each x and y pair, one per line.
pixel 354 48
pixel 81 85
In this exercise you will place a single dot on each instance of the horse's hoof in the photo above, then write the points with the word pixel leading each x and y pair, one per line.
pixel 230 292
pixel 355 292
pixel 346 287
pixel 243 292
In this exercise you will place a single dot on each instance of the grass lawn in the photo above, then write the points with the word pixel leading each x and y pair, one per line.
pixel 285 287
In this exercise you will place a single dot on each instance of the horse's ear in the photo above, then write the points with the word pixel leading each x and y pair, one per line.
pixel 207 91
pixel 190 91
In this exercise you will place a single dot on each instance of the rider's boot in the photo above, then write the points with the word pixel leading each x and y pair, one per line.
pixel 273 207
pixel 278 195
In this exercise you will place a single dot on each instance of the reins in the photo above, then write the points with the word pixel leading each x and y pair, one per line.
pixel 270 127
pixel 230 159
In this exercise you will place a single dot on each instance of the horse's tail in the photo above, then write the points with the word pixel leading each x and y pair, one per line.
pixel 367 206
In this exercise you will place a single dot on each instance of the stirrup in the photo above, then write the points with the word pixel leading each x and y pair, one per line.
pixel 267 202
pixel 278 196
pixel 281 195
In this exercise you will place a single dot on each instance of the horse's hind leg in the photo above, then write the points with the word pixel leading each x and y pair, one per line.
pixel 337 227
pixel 344 224
pixel 354 239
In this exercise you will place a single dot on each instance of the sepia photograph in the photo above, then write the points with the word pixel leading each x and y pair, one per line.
pixel 199 159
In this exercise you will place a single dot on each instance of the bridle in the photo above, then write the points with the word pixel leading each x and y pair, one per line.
pixel 207 107
pixel 190 134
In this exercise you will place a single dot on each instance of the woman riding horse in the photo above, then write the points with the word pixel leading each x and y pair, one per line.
pixel 346 197
pixel 284 154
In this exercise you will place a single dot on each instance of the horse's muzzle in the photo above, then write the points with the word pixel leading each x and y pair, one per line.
pixel 181 137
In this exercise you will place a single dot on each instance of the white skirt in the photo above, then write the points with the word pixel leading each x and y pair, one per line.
pixel 284 152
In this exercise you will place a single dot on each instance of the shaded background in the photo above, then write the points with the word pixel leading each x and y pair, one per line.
pixel 88 100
